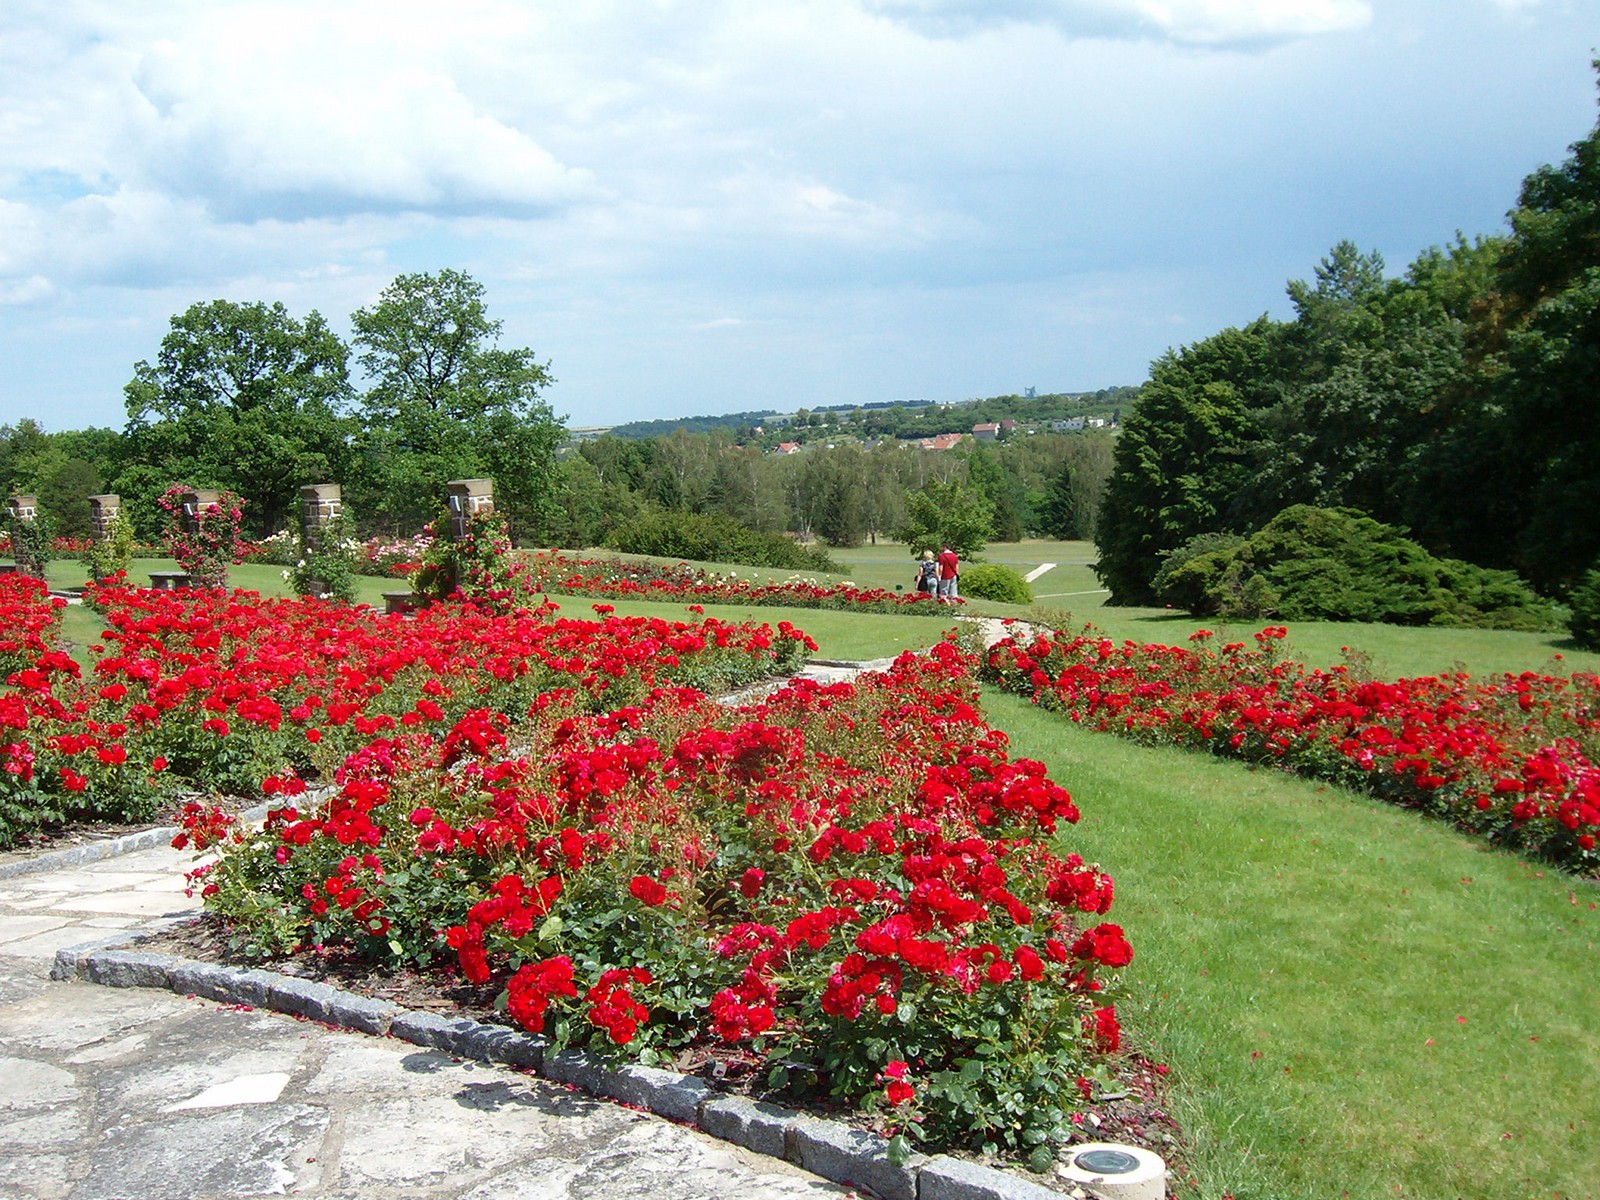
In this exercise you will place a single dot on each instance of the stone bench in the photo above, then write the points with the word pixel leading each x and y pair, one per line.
pixel 403 602
pixel 163 581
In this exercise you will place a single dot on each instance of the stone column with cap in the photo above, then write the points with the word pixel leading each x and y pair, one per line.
pixel 320 503
pixel 195 501
pixel 103 511
pixel 23 510
pixel 466 499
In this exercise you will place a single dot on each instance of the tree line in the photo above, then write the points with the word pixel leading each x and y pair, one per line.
pixel 842 494
pixel 248 397
pixel 1458 402
pixel 245 396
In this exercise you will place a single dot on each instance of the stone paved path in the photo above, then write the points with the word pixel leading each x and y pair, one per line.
pixel 135 1094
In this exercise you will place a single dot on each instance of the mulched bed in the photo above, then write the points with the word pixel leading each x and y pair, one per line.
pixel 1135 1113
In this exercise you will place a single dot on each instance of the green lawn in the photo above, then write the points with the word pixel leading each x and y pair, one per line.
pixel 1355 1002
pixel 1069 596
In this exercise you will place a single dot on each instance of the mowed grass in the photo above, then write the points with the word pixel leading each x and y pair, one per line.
pixel 1354 1001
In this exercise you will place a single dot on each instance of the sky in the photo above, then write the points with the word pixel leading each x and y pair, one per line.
pixel 696 206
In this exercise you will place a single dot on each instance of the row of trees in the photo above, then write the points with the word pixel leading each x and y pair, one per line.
pixel 844 494
pixel 247 397
pixel 1460 401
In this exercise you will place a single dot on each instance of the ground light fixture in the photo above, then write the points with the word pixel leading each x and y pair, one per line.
pixel 1108 1171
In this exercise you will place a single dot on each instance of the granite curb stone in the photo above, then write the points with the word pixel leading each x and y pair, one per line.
pixel 428 1029
pixel 207 980
pixel 498 1044
pixel 826 1148
pixel 852 1156
pixel 753 1124
pixel 574 1067
pixel 131 968
pixel 946 1178
pixel 90 852
pixel 73 961
pixel 665 1093
pixel 253 986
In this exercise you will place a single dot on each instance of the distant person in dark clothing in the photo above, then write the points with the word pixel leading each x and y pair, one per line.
pixel 928 574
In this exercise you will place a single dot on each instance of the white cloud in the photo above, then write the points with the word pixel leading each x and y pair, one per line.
pixel 1232 21
pixel 1192 22
pixel 35 289
pixel 293 111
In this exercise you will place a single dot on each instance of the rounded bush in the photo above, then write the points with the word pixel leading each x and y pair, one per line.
pixel 990 581
pixel 1585 604
pixel 1338 564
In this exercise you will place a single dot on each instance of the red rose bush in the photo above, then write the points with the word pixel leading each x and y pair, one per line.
pixel 612 579
pixel 203 690
pixel 1514 758
pixel 851 886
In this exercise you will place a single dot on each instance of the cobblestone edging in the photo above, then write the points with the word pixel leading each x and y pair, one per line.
pixel 129 843
pixel 827 1148
pixel 90 852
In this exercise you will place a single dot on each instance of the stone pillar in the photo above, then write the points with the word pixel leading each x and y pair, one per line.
pixel 195 501
pixel 319 504
pixel 467 498
pixel 23 509
pixel 103 510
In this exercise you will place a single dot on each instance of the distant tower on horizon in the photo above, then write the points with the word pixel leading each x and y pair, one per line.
pixel 1028 393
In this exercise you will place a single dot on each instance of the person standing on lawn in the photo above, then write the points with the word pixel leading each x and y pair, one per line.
pixel 928 574
pixel 949 573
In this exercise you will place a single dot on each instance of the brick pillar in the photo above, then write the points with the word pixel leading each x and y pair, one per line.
pixel 467 498
pixel 103 510
pixel 195 501
pixel 319 504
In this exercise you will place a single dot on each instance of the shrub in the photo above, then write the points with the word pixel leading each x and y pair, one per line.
pixel 475 565
pixel 1585 604
pixel 1185 589
pixel 328 568
pixel 1337 564
pixel 281 549
pixel 990 581
pixel 836 888
pixel 206 550
pixel 105 559
pixel 32 543
pixel 713 537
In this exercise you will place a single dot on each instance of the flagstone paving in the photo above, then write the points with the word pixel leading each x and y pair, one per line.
pixel 109 1094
